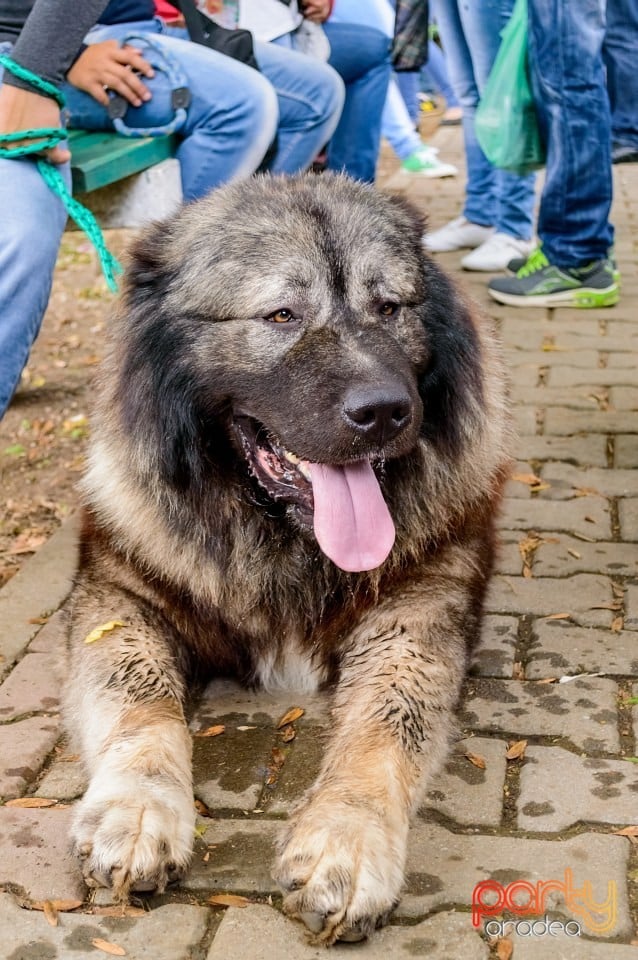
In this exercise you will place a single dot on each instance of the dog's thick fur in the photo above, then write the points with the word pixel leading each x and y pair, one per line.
pixel 278 315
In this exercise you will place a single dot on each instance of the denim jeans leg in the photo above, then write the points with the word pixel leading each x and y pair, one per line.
pixel 480 190
pixel 620 52
pixel 310 96
pixel 32 221
pixel 231 120
pixel 566 67
pixel 361 57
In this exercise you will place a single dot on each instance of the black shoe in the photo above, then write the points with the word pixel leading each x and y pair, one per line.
pixel 624 153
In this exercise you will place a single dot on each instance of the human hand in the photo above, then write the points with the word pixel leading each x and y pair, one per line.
pixel 316 10
pixel 107 64
pixel 25 110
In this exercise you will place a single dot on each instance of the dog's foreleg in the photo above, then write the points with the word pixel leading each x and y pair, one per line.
pixel 124 704
pixel 343 853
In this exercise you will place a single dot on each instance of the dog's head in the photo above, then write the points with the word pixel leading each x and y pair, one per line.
pixel 292 334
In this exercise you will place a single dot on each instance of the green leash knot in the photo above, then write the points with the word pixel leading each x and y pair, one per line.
pixel 45 138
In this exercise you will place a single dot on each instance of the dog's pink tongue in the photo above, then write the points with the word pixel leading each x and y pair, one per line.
pixel 352 522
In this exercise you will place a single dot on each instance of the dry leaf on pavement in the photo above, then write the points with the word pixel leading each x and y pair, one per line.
pixel 31 802
pixel 210 731
pixel 290 716
pixel 111 948
pixel 50 913
pixel 516 750
pixel 228 900
pixel 477 760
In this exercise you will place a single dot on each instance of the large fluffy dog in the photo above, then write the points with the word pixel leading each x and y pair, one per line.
pixel 299 440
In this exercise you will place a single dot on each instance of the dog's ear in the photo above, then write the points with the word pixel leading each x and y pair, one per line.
pixel 414 218
pixel 451 387
pixel 157 390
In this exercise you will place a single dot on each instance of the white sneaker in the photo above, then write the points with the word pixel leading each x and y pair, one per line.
pixel 496 252
pixel 458 234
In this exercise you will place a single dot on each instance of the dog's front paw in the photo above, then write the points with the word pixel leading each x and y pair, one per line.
pixel 341 867
pixel 137 834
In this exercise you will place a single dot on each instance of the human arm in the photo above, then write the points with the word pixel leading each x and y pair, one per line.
pixel 317 10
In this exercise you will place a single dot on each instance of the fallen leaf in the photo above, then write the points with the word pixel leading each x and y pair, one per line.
pixel 38 620
pixel 228 900
pixel 617 624
pixel 50 913
pixel 558 616
pixel 202 809
pixel 288 733
pixel 581 536
pixel 630 702
pixel 504 949
pixel 528 478
pixel 630 832
pixel 61 906
pixel 30 802
pixel 119 910
pixel 588 492
pixel 518 671
pixel 246 728
pixel 475 759
pixel 27 542
pixel 574 553
pixel 277 760
pixel 211 731
pixel 110 948
pixel 99 632
pixel 516 750
pixel 610 605
pixel 547 680
pixel 290 716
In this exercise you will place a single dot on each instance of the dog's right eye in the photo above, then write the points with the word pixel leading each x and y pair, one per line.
pixel 280 316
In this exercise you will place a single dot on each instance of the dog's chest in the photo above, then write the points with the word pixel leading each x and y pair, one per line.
pixel 288 666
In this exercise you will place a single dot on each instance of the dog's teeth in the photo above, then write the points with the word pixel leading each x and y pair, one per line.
pixel 291 457
pixel 304 471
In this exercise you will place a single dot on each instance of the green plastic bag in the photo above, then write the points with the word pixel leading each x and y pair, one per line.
pixel 506 122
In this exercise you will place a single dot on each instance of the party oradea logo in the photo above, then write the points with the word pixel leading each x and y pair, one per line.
pixel 525 900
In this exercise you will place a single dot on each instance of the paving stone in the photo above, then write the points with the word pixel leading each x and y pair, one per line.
pixel 224 697
pixel 525 421
pixel 626 450
pixel 572 555
pixel 565 949
pixel 584 398
pixel 508 555
pixel 31 687
pixel 564 423
pixel 229 770
pixel 519 488
pixel 631 607
pixel 37 589
pixel 584 359
pixel 443 868
pixel 171 932
pixel 494 655
pixel 587 451
pixel 239 855
pixel 464 792
pixel 543 331
pixel 559 789
pixel 582 711
pixel 566 480
pixel 621 360
pixel 24 746
pixel 560 648
pixel 581 596
pixel 262 933
pixel 64 780
pixel 624 398
pixel 51 638
pixel 568 376
pixel 634 713
pixel 34 853
pixel 628 517
pixel 586 515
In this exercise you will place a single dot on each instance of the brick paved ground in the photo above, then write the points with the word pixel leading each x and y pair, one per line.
pixel 563 607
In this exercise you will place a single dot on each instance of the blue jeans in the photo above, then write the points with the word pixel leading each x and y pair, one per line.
pixel 361 57
pixel 396 124
pixel 470 33
pixel 568 80
pixel 235 112
pixel 620 52
pixel 32 220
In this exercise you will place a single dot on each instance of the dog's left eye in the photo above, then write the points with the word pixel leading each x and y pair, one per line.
pixel 281 316
pixel 388 308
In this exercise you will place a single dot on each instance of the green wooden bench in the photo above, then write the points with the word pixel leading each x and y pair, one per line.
pixel 99 159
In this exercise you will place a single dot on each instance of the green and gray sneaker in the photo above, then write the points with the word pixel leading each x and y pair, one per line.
pixel 538 283
pixel 515 265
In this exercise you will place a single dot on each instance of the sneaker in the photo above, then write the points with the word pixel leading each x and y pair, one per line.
pixel 541 284
pixel 459 234
pixel 496 253
pixel 425 163
pixel 519 262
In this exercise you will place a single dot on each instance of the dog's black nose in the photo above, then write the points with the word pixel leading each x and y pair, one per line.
pixel 377 413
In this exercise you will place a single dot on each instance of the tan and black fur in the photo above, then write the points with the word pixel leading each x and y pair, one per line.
pixel 279 315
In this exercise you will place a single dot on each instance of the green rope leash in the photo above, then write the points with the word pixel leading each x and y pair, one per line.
pixel 44 139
